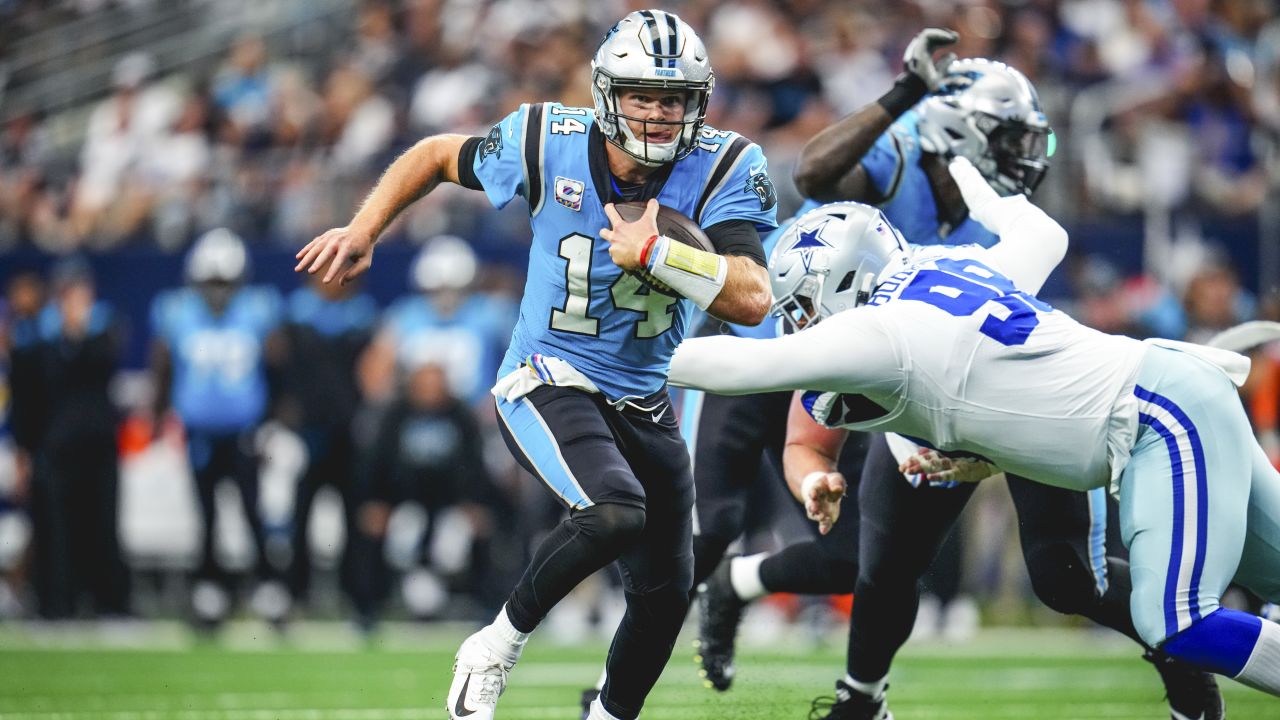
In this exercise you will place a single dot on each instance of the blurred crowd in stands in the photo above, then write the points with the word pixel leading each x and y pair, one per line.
pixel 1166 112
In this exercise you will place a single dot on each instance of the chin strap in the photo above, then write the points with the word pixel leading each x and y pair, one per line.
pixel 696 274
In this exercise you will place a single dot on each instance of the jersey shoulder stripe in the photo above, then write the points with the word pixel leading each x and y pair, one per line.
pixel 722 169
pixel 534 139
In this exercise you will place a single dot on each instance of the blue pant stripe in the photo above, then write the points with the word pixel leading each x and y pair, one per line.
pixel 1098 538
pixel 1202 508
pixel 539 445
pixel 1202 490
pixel 1175 549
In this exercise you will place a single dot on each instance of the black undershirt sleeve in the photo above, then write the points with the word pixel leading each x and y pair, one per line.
pixel 737 237
pixel 467 164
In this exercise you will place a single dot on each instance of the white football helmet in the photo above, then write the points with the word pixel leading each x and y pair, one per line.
pixel 446 262
pixel 990 114
pixel 651 49
pixel 831 259
pixel 217 256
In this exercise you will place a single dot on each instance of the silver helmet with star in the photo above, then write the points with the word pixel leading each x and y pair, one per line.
pixel 830 259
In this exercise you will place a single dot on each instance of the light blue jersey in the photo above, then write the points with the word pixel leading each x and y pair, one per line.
pixel 219 379
pixel 467 343
pixel 893 165
pixel 331 318
pixel 50 326
pixel 578 305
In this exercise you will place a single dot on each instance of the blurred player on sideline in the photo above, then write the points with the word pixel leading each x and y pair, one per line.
pixel 325 330
pixel 209 362
pixel 582 396
pixel 445 323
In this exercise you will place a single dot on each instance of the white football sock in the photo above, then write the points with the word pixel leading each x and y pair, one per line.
pixel 1262 671
pixel 874 690
pixel 744 576
pixel 598 712
pixel 503 638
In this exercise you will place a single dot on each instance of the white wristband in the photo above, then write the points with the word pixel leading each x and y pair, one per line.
pixel 696 274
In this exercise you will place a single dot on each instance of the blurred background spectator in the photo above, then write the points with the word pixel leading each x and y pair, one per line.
pixel 129 129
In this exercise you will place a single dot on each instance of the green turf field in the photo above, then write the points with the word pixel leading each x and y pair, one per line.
pixel 326 674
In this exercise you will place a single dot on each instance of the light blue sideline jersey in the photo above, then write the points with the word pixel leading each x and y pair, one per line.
pixel 578 305
pixel 467 343
pixel 219 373
pixel 330 318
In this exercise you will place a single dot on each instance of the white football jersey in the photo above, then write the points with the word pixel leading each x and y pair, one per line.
pixel 955 357
pixel 991 370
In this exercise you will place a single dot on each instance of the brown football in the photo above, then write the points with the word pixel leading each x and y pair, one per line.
pixel 673 224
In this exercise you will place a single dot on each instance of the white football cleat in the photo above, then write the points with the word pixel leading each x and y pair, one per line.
pixel 479 677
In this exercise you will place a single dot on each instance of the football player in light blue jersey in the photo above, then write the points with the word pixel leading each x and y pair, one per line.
pixel 209 364
pixel 893 154
pixel 581 394
pixel 326 329
pixel 444 323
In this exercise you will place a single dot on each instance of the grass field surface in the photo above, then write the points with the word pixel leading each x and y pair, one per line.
pixel 325 673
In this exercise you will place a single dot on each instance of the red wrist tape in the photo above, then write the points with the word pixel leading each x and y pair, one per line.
pixel 644 251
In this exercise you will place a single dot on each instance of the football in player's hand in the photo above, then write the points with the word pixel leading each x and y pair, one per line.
pixel 673 224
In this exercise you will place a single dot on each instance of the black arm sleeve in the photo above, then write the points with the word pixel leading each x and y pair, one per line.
pixel 737 237
pixel 467 164
pixel 907 90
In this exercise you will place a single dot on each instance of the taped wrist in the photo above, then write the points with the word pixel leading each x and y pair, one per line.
pixel 907 90
pixel 695 274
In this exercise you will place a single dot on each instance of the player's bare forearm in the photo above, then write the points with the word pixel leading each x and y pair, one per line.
pixel 746 297
pixel 414 174
pixel 809 464
pixel 829 167
pixel 810 447
pixel 348 251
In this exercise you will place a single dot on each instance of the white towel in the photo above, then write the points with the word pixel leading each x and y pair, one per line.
pixel 538 370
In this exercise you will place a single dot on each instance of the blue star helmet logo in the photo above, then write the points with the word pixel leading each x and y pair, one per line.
pixel 809 242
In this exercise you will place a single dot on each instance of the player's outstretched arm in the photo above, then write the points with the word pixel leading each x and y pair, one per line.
pixel 809 465
pixel 348 250
pixel 746 296
pixel 1031 243
pixel 848 352
pixel 830 164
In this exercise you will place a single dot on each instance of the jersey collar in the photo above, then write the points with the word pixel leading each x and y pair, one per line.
pixel 602 178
